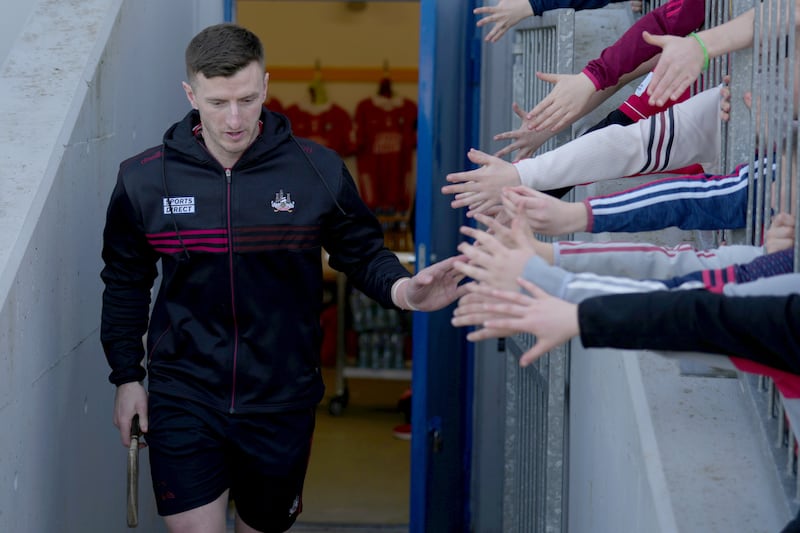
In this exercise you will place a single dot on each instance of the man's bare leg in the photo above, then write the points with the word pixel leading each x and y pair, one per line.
pixel 241 527
pixel 209 518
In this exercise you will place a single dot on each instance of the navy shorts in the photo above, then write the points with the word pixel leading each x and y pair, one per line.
pixel 196 453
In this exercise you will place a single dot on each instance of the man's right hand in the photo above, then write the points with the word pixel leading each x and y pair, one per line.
pixel 130 400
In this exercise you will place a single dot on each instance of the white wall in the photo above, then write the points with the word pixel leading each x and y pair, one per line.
pixel 85 85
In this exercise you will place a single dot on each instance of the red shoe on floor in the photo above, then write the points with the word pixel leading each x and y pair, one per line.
pixel 402 432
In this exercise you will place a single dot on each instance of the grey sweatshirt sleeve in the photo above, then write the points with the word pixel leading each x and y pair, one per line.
pixel 640 260
pixel 575 288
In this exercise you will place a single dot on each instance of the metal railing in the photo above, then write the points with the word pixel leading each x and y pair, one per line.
pixel 772 152
pixel 542 44
pixel 537 399
pixel 537 411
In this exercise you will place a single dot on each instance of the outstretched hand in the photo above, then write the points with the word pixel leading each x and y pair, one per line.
pixel 496 257
pixel 472 311
pixel 504 16
pixel 780 235
pixel 480 190
pixel 553 321
pixel 525 140
pixel 679 66
pixel 545 214
pixel 566 102
pixel 435 286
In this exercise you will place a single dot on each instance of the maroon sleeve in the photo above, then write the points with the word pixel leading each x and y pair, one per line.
pixel 677 17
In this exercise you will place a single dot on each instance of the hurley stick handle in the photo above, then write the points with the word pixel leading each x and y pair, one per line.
pixel 133 473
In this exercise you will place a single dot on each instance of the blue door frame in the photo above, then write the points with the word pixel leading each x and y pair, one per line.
pixel 449 71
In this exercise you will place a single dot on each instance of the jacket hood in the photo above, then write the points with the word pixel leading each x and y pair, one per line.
pixel 181 136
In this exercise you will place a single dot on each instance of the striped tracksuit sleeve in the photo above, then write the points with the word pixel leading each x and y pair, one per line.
pixel 575 287
pixel 702 201
pixel 766 266
pixel 716 279
pixel 687 133
pixel 647 261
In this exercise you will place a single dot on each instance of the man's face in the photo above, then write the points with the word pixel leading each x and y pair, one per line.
pixel 229 109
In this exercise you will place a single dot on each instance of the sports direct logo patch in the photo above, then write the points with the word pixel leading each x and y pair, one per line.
pixel 180 205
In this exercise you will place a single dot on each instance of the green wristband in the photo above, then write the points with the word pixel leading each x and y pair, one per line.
pixel 703 46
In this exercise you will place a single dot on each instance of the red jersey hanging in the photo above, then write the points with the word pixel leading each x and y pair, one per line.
pixel 385 142
pixel 273 104
pixel 328 124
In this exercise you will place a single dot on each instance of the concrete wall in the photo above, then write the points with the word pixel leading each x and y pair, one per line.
pixel 15 17
pixel 84 85
pixel 657 449
pixel 616 480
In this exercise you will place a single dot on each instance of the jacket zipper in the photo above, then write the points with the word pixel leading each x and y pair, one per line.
pixel 232 409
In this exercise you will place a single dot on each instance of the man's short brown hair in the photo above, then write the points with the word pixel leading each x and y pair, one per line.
pixel 222 50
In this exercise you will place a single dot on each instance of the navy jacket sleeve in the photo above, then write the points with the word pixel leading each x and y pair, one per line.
pixel 129 272
pixel 540 6
pixel 764 329
pixel 354 239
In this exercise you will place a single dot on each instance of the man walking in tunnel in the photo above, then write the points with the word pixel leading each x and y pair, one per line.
pixel 237 211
